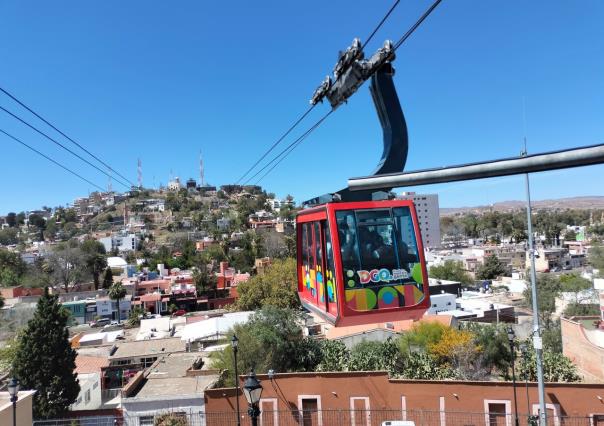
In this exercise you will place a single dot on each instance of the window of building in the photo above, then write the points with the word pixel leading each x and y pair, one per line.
pixel 79 401
pixel 95 385
pixel 145 420
pixel 497 412
pixel 597 419
pixel 87 397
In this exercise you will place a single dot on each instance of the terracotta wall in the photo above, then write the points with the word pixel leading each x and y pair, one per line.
pixel 337 389
pixel 588 357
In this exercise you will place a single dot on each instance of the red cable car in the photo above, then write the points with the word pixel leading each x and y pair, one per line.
pixel 362 262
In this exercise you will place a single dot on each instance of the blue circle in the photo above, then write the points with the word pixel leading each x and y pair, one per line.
pixel 388 297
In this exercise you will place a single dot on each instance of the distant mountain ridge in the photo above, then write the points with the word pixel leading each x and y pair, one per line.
pixel 586 202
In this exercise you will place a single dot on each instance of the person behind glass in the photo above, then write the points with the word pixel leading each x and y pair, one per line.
pixel 347 240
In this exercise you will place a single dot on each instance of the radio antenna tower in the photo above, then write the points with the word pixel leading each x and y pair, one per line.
pixel 201 170
pixel 140 174
pixel 109 185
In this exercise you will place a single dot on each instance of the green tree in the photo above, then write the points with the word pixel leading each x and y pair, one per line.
pixel 67 266
pixel 556 367
pixel 108 278
pixel 570 235
pixel 12 268
pixel 375 356
pixel 9 236
pixel 335 356
pixel 494 346
pixel 548 288
pixel 451 270
pixel 1 301
pixel 581 309
pixel 95 259
pixel 117 292
pixel 8 352
pixel 272 339
pixel 574 283
pixel 276 287
pixel 422 366
pixel 45 360
pixel 422 335
pixel 134 318
pixel 490 269
pixel 596 257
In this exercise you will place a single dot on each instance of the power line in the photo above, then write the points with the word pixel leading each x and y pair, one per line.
pixel 51 160
pixel 303 116
pixel 274 145
pixel 64 135
pixel 288 149
pixel 298 141
pixel 61 145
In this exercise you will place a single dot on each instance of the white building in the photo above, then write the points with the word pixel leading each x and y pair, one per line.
pixel 442 303
pixel 428 215
pixel 174 184
pixel 121 242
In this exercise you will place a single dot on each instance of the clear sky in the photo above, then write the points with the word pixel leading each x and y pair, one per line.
pixel 161 81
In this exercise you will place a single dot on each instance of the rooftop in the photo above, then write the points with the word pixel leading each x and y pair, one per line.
pixel 90 364
pixel 147 347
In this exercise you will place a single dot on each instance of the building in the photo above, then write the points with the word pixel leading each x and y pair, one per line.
pixel 175 383
pixel 24 415
pixel 370 398
pixel 174 184
pixel 442 303
pixel 88 369
pixel 107 308
pixel 428 216
pixel 120 242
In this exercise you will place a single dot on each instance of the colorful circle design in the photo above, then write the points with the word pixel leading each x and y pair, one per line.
pixel 388 298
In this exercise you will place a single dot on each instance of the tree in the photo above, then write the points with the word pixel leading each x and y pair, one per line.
pixel 8 352
pixel 12 268
pixel 490 269
pixel 422 335
pixel 67 266
pixel 9 236
pixel 596 257
pixel 422 366
pixel 45 360
pixel 570 235
pixel 494 346
pixel 451 270
pixel 375 356
pixel 134 318
pixel 1 301
pixel 11 219
pixel 272 339
pixel 108 278
pixel 548 288
pixel 95 259
pixel 335 356
pixel 117 292
pixel 170 419
pixel 276 287
pixel 556 367
pixel 204 281
pixel 574 309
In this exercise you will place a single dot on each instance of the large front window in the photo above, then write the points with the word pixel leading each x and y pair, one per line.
pixel 380 258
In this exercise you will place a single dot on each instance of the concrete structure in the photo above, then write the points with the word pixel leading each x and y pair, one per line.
pixel 107 308
pixel 24 408
pixel 428 215
pixel 369 398
pixel 174 184
pixel 88 369
pixel 442 303
pixel 174 383
pixel 122 242
pixel 584 345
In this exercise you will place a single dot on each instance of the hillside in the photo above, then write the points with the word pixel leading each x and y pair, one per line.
pixel 588 202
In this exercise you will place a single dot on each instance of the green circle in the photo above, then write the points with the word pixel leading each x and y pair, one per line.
pixel 351 283
pixel 350 273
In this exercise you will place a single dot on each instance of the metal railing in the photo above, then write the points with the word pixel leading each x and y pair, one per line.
pixel 296 417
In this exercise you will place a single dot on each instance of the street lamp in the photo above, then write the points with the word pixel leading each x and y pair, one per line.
pixel 234 345
pixel 524 352
pixel 252 389
pixel 13 391
pixel 511 336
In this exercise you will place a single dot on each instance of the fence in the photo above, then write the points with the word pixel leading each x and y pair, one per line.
pixel 323 418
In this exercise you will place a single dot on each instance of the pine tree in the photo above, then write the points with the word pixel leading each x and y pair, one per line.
pixel 108 278
pixel 45 361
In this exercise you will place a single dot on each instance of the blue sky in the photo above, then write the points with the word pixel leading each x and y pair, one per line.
pixel 161 81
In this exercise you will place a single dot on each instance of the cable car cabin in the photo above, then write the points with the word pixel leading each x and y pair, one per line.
pixel 362 262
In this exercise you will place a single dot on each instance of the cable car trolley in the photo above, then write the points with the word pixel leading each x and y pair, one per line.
pixel 360 254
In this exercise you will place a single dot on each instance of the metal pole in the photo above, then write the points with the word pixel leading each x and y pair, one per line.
pixel 514 382
pixel 537 344
pixel 237 387
pixel 14 410
pixel 575 157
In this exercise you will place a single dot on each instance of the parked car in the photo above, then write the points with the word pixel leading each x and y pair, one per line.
pixel 100 322
pixel 179 313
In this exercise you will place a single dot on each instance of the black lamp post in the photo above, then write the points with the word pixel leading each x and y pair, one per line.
pixel 524 352
pixel 252 389
pixel 511 336
pixel 13 391
pixel 235 344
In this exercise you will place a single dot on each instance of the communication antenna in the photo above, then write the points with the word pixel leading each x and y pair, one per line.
pixel 140 174
pixel 109 186
pixel 201 170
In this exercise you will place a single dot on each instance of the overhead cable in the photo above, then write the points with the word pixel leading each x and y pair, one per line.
pixel 64 135
pixel 288 149
pixel 63 146
pixel 53 161
pixel 303 116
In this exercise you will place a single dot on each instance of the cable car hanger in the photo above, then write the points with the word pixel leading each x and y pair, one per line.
pixel 350 72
